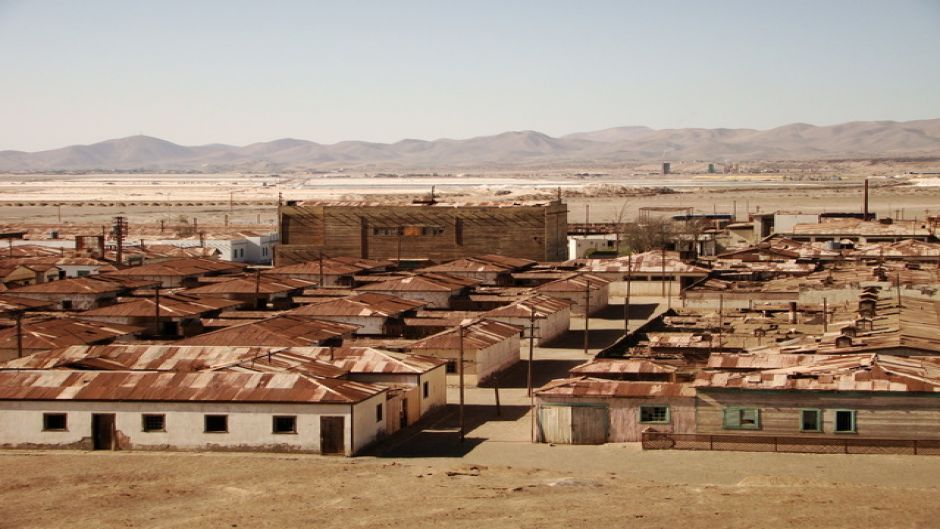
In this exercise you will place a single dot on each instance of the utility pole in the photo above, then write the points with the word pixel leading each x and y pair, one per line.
pixel 531 348
pixel 587 312
pixel 156 305
pixel 721 320
pixel 460 374
pixel 19 334
pixel 320 267
pixel 258 289
pixel 626 300
pixel 825 315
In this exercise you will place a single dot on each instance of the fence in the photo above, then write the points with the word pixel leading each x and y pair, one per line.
pixel 766 443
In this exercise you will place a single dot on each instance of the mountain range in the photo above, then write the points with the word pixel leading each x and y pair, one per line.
pixel 798 141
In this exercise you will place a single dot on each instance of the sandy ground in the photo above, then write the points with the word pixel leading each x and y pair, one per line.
pixel 217 199
pixel 494 479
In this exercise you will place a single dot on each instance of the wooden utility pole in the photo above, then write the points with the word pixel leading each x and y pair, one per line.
pixel 531 349
pixel 587 312
pixel 19 334
pixel 825 315
pixel 499 411
pixel 626 300
pixel 258 289
pixel 899 293
pixel 460 374
pixel 320 267
pixel 156 308
pixel 721 319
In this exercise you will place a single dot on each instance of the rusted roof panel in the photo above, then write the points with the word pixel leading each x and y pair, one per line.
pixel 365 304
pixel 604 388
pixel 216 386
pixel 866 372
pixel 285 331
pixel 476 335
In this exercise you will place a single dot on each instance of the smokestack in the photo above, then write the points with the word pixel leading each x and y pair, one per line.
pixel 866 199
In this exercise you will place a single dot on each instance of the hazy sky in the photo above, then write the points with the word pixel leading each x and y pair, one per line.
pixel 235 72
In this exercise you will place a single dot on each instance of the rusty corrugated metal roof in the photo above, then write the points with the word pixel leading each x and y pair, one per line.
pixel 51 333
pixel 284 331
pixel 605 388
pixel 171 306
pixel 865 372
pixel 476 335
pixel 204 386
pixel 365 304
pixel 608 366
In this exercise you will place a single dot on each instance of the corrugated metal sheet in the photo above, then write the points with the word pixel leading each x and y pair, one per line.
pixel 608 366
pixel 283 331
pixel 870 372
pixel 216 386
pixel 171 306
pixel 476 335
pixel 597 387
pixel 366 304
pixel 49 333
pixel 250 285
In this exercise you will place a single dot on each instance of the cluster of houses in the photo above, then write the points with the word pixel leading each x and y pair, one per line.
pixel 325 356
pixel 783 345
pixel 785 340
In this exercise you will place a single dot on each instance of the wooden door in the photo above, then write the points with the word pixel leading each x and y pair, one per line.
pixel 332 435
pixel 555 424
pixel 102 431
pixel 589 425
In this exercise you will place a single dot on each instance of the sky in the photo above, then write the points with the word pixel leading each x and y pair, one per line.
pixel 235 72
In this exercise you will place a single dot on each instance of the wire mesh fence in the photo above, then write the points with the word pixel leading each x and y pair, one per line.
pixel 767 443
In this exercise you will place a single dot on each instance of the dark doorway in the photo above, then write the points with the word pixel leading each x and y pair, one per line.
pixel 404 413
pixel 332 435
pixel 102 431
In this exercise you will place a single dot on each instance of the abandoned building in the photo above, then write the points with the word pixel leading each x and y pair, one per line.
pixel 426 230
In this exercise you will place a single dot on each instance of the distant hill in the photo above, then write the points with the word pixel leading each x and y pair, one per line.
pixel 861 139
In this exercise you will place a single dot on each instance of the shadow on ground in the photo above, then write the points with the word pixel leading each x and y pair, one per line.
pixel 516 377
pixel 442 439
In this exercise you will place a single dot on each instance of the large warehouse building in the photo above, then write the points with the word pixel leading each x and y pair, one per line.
pixel 426 230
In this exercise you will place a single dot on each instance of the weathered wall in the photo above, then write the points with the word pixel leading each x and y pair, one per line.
pixel 250 425
pixel 531 232
pixel 902 416
pixel 624 414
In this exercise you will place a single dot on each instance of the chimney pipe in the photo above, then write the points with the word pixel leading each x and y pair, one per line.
pixel 866 199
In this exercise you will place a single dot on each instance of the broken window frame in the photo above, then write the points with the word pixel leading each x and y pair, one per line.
pixel 819 420
pixel 734 418
pixel 853 415
pixel 214 416
pixel 144 427
pixel 55 415
pixel 283 431
pixel 654 408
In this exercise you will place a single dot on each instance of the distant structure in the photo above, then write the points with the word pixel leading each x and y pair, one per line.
pixel 422 230
pixel 667 168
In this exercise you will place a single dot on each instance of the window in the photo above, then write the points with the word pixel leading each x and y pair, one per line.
pixel 388 232
pixel 378 412
pixel 654 414
pixel 742 419
pixel 845 421
pixel 153 423
pixel 82 273
pixel 216 423
pixel 810 421
pixel 284 424
pixel 451 366
pixel 54 422
pixel 426 389
pixel 66 304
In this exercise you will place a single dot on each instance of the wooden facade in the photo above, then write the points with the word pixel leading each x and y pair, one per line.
pixel 885 415
pixel 536 231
